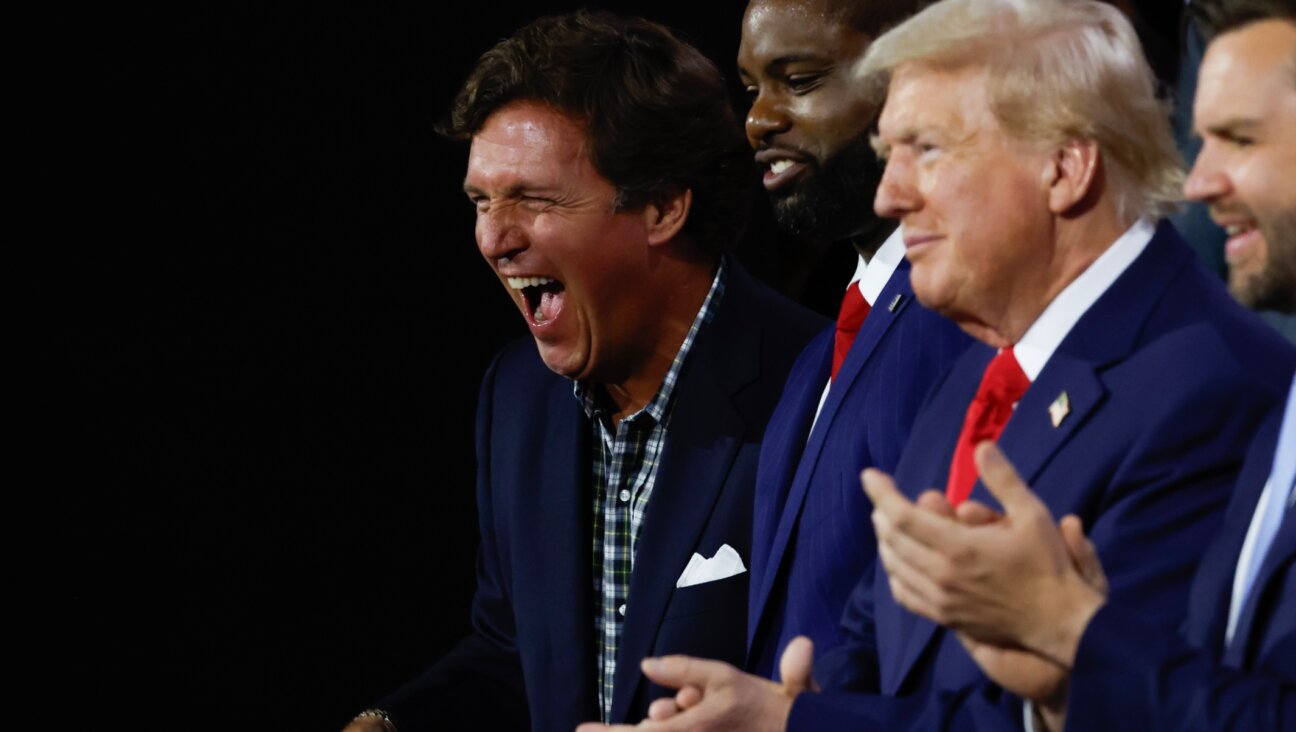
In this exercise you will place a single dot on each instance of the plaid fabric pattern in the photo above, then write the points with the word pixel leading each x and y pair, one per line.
pixel 624 471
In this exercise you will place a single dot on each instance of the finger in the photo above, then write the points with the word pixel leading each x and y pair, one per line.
pixel 911 589
pixel 1002 480
pixel 904 555
pixel 935 502
pixel 688 697
pixel 678 671
pixel 796 667
pixel 976 513
pixel 880 488
pixel 1083 553
pixel 927 527
pixel 663 709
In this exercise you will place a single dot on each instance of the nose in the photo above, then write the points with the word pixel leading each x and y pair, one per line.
pixel 1207 180
pixel 896 193
pixel 500 236
pixel 765 118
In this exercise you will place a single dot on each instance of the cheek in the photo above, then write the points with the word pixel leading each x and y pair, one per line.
pixel 830 127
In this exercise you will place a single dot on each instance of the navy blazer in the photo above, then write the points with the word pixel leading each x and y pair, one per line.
pixel 812 536
pixel 1167 378
pixel 1132 675
pixel 530 660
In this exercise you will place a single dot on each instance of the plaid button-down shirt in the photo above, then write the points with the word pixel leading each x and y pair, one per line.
pixel 624 471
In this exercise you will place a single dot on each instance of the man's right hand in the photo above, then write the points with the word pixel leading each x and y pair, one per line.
pixel 1010 580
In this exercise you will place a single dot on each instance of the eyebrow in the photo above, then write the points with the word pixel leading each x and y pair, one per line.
pixel 791 58
pixel 1233 125
pixel 513 190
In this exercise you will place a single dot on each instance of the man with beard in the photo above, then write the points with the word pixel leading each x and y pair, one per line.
pixel 1027 160
pixel 853 393
pixel 1234 665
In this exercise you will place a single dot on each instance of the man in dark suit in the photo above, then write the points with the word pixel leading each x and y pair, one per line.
pixel 1026 159
pixel 616 453
pixel 852 396
pixel 1232 665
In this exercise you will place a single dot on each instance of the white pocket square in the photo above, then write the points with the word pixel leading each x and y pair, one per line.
pixel 726 563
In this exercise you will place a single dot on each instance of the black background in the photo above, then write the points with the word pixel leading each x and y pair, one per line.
pixel 270 322
pixel 266 321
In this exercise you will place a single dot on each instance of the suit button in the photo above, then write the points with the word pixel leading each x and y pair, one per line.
pixel 625 495
pixel 621 610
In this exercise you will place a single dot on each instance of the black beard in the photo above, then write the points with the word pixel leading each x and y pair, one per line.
pixel 1274 287
pixel 835 200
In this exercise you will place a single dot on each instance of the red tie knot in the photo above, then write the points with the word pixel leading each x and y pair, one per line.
pixel 1004 381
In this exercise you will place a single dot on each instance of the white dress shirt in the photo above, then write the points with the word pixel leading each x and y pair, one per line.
pixel 871 275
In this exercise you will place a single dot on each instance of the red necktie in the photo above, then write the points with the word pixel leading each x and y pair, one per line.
pixel 854 309
pixel 1002 386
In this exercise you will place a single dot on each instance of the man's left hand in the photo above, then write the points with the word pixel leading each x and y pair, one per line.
pixel 717 696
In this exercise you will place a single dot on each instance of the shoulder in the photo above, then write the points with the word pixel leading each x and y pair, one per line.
pixel 517 373
pixel 757 304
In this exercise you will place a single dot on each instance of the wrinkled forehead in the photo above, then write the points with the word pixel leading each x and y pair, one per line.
pixel 774 28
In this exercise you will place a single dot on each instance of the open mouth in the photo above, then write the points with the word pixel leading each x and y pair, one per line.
pixel 1241 235
pixel 781 172
pixel 542 297
pixel 781 165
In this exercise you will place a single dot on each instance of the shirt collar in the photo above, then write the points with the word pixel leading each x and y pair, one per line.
pixel 1036 347
pixel 871 275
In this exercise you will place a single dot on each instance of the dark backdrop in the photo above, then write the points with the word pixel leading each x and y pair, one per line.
pixel 268 320
pixel 270 325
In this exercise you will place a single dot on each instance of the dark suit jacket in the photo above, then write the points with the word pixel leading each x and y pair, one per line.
pixel 812 536
pixel 1167 378
pixel 1135 675
pixel 531 657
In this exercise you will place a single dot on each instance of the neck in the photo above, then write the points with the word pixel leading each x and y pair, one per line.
pixel 868 242
pixel 1077 243
pixel 684 288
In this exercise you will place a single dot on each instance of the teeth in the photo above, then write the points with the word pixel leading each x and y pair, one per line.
pixel 1235 229
pixel 519 283
pixel 778 166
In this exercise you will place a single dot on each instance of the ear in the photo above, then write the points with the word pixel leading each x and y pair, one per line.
pixel 1071 174
pixel 665 217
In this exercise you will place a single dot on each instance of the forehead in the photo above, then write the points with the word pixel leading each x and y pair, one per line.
pixel 925 98
pixel 776 28
pixel 527 139
pixel 1247 73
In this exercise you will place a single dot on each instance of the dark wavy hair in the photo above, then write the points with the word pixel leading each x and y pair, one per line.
pixel 655 109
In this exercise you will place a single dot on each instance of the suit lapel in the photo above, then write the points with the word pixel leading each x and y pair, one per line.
pixel 1280 553
pixel 937 431
pixel 784 443
pixel 880 319
pixel 1105 334
pixel 562 559
pixel 1212 589
pixel 705 432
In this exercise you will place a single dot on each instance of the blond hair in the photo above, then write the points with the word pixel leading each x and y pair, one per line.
pixel 1057 70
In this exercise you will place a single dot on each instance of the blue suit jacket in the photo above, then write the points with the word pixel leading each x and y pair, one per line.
pixel 531 657
pixel 1133 675
pixel 812 538
pixel 1167 378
